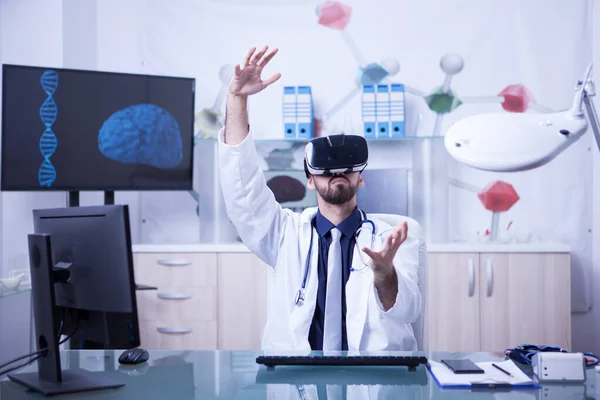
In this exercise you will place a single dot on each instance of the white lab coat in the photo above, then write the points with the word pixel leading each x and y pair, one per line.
pixel 280 238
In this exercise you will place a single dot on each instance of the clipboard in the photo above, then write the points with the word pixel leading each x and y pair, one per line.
pixel 492 378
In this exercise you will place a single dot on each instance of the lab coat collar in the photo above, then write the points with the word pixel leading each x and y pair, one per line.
pixel 307 215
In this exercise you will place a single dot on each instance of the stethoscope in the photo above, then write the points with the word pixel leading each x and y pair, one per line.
pixel 299 300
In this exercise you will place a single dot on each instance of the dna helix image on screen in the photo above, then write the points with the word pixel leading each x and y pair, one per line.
pixel 48 142
pixel 142 134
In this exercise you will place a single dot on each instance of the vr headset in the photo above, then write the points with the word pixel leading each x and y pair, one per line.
pixel 336 154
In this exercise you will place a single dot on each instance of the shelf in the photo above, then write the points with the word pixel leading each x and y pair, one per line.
pixel 380 140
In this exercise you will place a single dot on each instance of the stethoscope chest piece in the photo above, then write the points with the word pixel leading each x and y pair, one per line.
pixel 299 298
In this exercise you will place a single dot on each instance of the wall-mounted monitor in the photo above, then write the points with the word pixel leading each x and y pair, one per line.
pixel 77 130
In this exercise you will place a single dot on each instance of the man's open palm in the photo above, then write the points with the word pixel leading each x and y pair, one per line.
pixel 246 79
pixel 383 260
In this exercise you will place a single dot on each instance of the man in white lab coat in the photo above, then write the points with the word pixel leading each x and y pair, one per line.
pixel 373 306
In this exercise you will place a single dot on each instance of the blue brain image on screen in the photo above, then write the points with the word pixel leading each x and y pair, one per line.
pixel 142 134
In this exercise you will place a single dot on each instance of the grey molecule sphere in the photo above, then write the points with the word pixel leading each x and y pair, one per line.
pixel 452 63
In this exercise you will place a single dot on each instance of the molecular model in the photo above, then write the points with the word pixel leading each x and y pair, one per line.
pixel 209 121
pixel 498 196
pixel 441 100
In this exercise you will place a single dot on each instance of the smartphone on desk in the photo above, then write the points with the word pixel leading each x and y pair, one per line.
pixel 463 366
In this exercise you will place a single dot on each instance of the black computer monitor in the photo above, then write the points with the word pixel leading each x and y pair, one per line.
pixel 82 280
pixel 94 243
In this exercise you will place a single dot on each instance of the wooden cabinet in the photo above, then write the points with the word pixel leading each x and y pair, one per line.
pixel 204 300
pixel 477 301
pixel 453 302
pixel 492 301
pixel 182 313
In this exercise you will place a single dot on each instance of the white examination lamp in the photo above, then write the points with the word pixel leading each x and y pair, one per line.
pixel 511 142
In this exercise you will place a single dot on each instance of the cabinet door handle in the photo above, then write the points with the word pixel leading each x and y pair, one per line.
pixel 173 263
pixel 174 330
pixel 490 276
pixel 471 273
pixel 174 296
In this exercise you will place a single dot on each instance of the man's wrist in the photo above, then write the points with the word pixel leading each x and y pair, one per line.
pixel 386 284
pixel 384 274
pixel 237 96
pixel 236 119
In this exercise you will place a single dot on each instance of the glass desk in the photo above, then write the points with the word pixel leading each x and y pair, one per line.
pixel 235 375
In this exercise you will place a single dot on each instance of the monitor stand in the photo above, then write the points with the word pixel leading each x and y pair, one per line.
pixel 109 197
pixel 51 379
pixel 73 198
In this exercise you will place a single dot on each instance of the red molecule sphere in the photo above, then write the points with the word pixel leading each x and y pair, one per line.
pixel 334 15
pixel 516 98
pixel 498 196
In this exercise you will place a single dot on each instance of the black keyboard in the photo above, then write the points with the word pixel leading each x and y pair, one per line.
pixel 412 362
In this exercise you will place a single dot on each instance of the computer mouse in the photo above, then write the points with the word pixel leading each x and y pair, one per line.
pixel 134 356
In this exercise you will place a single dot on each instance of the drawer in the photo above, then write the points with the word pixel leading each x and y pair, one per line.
pixel 181 303
pixel 164 335
pixel 176 270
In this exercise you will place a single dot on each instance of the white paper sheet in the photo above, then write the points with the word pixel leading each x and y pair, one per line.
pixel 491 376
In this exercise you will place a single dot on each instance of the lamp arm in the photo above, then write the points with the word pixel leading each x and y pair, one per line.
pixel 592 116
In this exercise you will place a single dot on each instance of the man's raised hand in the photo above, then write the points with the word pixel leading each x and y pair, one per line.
pixel 246 79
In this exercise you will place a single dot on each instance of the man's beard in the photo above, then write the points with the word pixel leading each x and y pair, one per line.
pixel 337 194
